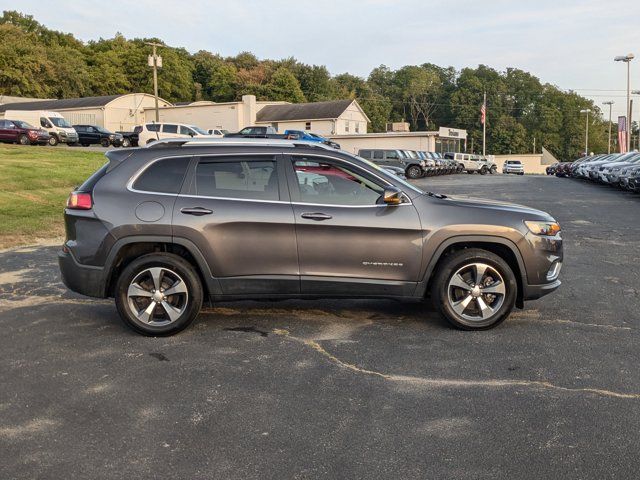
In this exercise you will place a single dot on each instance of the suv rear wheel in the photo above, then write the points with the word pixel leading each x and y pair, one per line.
pixel 474 289
pixel 158 294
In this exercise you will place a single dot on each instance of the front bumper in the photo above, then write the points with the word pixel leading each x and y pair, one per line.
pixel 533 292
pixel 84 279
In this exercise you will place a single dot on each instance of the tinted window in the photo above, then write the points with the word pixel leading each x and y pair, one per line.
pixel 168 128
pixel 365 153
pixel 392 154
pixel 163 176
pixel 183 130
pixel 153 127
pixel 334 183
pixel 245 179
pixel 378 154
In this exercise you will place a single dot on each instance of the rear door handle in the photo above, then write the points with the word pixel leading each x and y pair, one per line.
pixel 197 211
pixel 317 216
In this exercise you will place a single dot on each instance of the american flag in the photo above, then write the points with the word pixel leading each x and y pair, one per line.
pixel 483 113
pixel 622 134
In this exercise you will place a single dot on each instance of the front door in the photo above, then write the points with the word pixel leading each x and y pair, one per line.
pixel 349 243
pixel 237 211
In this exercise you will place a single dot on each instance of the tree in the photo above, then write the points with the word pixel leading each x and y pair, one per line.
pixel 508 136
pixel 283 86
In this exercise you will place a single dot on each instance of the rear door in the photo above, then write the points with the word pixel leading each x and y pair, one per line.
pixel 349 243
pixel 236 209
pixel 5 132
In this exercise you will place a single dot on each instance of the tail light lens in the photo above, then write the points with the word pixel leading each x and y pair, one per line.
pixel 79 201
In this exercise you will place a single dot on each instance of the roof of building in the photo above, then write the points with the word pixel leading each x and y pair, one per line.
pixel 303 111
pixel 66 103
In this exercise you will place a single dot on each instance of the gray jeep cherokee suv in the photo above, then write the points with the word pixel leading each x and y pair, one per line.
pixel 165 227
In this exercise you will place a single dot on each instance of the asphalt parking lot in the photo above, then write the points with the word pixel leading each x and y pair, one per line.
pixel 338 389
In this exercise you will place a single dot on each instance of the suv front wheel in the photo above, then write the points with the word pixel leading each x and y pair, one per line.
pixel 474 289
pixel 158 294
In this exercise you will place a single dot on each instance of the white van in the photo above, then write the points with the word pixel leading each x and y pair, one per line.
pixel 60 131
pixel 157 131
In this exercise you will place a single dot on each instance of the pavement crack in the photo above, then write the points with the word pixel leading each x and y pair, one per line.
pixel 449 382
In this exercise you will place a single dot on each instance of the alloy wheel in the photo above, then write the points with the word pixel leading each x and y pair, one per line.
pixel 157 296
pixel 476 292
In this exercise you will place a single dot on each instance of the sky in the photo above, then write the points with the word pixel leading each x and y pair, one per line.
pixel 568 43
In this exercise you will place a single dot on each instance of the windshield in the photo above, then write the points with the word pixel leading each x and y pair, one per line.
pixel 21 124
pixel 198 130
pixel 59 122
pixel 387 174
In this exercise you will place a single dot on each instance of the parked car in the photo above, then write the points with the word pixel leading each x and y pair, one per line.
pixel 151 132
pixel 217 132
pixel 130 139
pixel 413 167
pixel 259 132
pixel 277 220
pixel 551 169
pixel 95 135
pixel 563 169
pixel 60 131
pixel 309 137
pixel 513 166
pixel 490 165
pixel 17 131
pixel 468 163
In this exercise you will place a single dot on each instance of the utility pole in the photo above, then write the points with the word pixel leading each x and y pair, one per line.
pixel 534 145
pixel 627 59
pixel 610 103
pixel 155 61
pixel 484 125
pixel 586 135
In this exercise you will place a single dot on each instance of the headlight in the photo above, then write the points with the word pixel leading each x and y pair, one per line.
pixel 112 136
pixel 543 228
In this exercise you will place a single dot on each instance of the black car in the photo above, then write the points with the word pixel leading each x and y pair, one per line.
pixel 95 135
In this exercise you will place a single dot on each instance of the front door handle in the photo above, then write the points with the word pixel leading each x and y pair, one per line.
pixel 317 216
pixel 197 211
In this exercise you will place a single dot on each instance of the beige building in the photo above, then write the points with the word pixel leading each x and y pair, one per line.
pixel 113 112
pixel 231 116
pixel 334 117
pixel 533 162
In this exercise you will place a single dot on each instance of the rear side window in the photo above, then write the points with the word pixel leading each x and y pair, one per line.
pixel 163 176
pixel 152 127
pixel 168 128
pixel 391 154
pixel 242 179
pixel 378 154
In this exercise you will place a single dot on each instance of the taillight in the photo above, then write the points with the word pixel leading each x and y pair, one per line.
pixel 79 201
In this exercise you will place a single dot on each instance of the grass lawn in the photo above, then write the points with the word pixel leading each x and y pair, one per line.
pixel 34 184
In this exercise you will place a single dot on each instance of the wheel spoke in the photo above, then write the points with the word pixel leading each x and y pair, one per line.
pixel 156 275
pixel 135 290
pixel 178 287
pixel 458 281
pixel 480 268
pixel 497 287
pixel 485 310
pixel 462 305
pixel 147 314
pixel 172 311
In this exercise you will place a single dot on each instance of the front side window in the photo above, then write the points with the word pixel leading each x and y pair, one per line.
pixel 185 130
pixel 241 179
pixel 153 127
pixel 169 128
pixel 329 182
pixel 163 176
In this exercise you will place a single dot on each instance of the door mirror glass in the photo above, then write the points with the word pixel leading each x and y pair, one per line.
pixel 392 196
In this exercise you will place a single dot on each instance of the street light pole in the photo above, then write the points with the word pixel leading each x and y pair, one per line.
pixel 155 62
pixel 586 135
pixel 610 103
pixel 627 59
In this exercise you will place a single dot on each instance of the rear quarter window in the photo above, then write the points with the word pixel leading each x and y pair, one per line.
pixel 163 176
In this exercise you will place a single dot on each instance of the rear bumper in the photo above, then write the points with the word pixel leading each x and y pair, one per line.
pixel 83 279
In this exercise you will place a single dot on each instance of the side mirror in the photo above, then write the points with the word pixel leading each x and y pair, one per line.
pixel 392 196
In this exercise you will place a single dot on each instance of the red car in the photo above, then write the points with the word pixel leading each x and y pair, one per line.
pixel 17 131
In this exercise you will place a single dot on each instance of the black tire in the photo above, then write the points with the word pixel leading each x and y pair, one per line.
pixel 84 144
pixel 126 143
pixel 413 172
pixel 53 140
pixel 72 144
pixel 151 140
pixel 522 173
pixel 493 170
pixel 23 140
pixel 105 142
pixel 442 292
pixel 483 171
pixel 188 304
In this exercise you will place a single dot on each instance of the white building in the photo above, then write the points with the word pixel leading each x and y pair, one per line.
pixel 113 112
